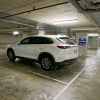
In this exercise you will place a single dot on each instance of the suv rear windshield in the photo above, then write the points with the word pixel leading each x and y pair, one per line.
pixel 65 40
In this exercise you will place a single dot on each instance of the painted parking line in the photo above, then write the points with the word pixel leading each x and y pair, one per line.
pixel 41 75
pixel 68 85
pixel 44 76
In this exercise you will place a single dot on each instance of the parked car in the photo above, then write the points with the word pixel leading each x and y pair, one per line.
pixel 48 50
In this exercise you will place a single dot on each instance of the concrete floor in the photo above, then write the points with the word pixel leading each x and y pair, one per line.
pixel 27 81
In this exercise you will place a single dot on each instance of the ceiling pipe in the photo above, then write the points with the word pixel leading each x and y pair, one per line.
pixel 35 9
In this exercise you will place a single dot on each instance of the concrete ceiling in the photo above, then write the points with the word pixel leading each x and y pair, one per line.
pixel 89 17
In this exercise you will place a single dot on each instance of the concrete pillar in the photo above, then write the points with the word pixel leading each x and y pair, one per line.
pixel 99 41
pixel 64 31
pixel 93 42
pixel 41 32
pixel 40 29
pixel 81 39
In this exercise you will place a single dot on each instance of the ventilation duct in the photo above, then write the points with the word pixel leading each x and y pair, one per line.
pixel 90 4
pixel 86 5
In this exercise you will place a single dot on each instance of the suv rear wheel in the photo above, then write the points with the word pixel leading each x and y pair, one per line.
pixel 47 62
pixel 11 55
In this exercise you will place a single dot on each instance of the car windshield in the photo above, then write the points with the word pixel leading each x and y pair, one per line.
pixel 65 40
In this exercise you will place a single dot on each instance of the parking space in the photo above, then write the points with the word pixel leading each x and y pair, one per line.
pixel 25 80
pixel 20 84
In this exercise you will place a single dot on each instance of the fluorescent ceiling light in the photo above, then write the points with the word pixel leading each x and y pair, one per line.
pixel 93 34
pixel 66 21
pixel 15 33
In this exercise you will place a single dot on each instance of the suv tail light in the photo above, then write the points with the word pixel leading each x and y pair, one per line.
pixel 64 47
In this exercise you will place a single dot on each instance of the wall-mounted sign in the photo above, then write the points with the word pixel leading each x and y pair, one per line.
pixel 82 41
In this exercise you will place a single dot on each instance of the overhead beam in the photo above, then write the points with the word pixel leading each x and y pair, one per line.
pixel 92 10
pixel 76 5
pixel 12 29
pixel 91 28
pixel 18 23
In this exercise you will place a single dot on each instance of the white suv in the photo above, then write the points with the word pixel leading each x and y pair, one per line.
pixel 48 50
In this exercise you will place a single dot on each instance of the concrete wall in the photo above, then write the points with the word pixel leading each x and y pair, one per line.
pixel 6 39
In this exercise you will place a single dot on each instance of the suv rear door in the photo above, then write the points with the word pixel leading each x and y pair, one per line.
pixel 31 47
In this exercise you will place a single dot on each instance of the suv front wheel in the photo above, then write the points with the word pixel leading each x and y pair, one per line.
pixel 47 62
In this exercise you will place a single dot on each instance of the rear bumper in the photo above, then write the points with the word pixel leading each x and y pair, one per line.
pixel 66 62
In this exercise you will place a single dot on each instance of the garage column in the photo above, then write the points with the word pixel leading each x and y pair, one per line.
pixel 81 39
pixel 93 42
pixel 40 29
pixel 99 41
pixel 64 31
